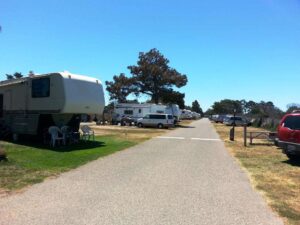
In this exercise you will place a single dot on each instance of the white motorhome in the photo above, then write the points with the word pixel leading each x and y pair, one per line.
pixel 174 110
pixel 135 111
pixel 196 115
pixel 186 114
pixel 30 105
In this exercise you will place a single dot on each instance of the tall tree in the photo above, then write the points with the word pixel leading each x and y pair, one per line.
pixel 227 106
pixel 152 75
pixel 196 107
pixel 120 87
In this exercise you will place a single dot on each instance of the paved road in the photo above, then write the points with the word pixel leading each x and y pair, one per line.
pixel 185 178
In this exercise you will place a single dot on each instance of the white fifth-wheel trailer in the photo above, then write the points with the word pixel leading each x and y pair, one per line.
pixel 137 111
pixel 30 105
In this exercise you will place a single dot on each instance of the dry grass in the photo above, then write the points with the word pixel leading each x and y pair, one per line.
pixel 130 133
pixel 134 133
pixel 270 172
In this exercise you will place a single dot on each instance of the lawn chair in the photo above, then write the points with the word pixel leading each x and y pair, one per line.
pixel 54 132
pixel 87 132
pixel 66 134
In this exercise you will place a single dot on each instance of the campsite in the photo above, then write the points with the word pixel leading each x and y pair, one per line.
pixel 149 112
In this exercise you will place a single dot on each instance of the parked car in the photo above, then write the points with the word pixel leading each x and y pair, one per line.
pixel 239 121
pixel 156 120
pixel 289 135
pixel 126 120
pixel 220 118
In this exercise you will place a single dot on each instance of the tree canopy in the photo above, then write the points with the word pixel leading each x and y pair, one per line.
pixel 152 76
pixel 292 106
pixel 255 109
pixel 120 87
pixel 196 107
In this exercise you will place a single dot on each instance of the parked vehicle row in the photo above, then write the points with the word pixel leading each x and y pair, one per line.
pixel 130 113
pixel 230 120
pixel 124 112
pixel 189 115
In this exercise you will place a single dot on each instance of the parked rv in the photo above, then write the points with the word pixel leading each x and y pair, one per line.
pixel 30 105
pixel 136 111
pixel 174 110
pixel 186 114
pixel 196 116
pixel 156 120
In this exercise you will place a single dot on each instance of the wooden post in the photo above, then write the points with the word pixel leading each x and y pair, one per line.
pixel 245 135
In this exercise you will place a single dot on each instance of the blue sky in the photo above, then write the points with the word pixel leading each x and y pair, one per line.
pixel 228 49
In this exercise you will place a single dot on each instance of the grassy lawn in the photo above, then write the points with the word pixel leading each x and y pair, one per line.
pixel 30 164
pixel 276 177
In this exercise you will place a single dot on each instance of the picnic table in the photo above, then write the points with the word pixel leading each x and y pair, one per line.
pixel 268 135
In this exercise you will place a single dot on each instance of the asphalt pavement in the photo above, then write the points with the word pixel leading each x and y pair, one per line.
pixel 184 177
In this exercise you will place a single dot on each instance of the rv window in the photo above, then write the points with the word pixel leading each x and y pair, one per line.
pixel 159 111
pixel 170 117
pixel 40 88
pixel 128 112
pixel 140 110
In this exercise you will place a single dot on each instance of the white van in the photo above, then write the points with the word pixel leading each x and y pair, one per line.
pixel 156 120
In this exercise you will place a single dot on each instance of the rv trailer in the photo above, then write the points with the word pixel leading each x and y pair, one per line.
pixel 173 109
pixel 30 105
pixel 135 111
pixel 196 116
pixel 186 114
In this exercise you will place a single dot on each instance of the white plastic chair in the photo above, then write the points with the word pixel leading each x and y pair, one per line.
pixel 65 130
pixel 87 132
pixel 54 131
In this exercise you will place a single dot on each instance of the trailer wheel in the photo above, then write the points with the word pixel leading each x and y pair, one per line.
pixel 140 125
pixel 293 157
pixel 160 126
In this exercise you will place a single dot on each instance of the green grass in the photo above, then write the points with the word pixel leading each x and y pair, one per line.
pixel 28 164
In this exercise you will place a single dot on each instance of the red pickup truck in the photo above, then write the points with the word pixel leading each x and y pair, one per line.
pixel 289 135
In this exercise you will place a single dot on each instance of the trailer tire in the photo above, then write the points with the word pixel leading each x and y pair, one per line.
pixel 293 157
pixel 140 125
pixel 160 126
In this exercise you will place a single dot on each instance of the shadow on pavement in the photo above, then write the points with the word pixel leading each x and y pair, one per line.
pixel 183 126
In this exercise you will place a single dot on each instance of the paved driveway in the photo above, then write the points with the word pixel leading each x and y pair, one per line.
pixel 184 177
